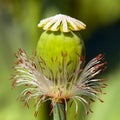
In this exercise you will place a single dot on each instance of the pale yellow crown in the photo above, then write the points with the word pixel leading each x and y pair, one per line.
pixel 61 22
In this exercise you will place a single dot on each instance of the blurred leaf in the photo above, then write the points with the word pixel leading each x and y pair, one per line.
pixel 110 109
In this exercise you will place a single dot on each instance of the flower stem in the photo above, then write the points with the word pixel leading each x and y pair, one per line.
pixel 59 112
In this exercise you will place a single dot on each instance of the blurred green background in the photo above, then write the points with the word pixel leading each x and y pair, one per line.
pixel 18 29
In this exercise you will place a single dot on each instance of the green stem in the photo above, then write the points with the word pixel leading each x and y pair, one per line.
pixel 59 112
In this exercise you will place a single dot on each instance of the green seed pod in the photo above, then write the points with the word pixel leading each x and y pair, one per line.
pixel 59 51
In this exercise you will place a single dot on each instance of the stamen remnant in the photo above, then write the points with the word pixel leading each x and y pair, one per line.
pixel 80 85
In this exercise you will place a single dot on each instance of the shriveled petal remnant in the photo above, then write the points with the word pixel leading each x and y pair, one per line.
pixel 80 85
pixel 61 22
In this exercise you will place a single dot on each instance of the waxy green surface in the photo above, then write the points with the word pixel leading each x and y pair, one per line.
pixel 56 47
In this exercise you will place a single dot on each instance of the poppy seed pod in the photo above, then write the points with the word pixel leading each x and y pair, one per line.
pixel 57 50
pixel 55 73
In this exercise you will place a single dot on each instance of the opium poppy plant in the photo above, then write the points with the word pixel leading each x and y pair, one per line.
pixel 58 72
